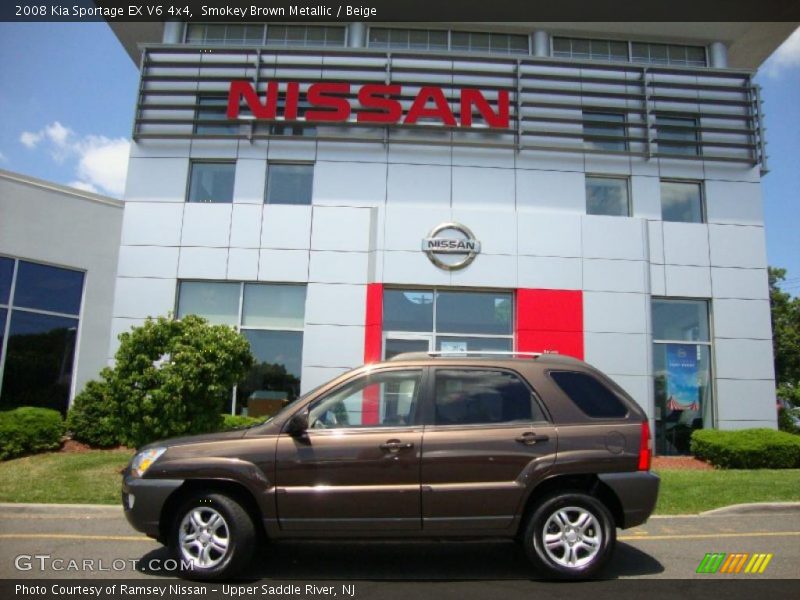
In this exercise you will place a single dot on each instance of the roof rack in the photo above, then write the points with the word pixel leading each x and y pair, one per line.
pixel 468 353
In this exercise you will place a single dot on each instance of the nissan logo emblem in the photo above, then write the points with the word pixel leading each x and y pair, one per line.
pixel 451 246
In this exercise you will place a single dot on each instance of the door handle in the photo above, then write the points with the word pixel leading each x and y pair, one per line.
pixel 530 438
pixel 396 445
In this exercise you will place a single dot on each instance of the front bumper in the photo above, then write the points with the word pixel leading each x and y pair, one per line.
pixel 143 501
pixel 637 493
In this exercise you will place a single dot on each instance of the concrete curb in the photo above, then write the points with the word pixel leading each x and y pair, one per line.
pixel 15 507
pixel 754 508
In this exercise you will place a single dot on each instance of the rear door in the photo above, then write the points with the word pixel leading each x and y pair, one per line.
pixel 486 440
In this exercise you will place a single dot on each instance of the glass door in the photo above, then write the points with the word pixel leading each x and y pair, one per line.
pixel 398 343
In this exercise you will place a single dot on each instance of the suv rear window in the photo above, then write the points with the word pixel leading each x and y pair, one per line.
pixel 475 396
pixel 591 396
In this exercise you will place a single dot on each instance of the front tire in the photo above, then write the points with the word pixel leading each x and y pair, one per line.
pixel 570 535
pixel 214 535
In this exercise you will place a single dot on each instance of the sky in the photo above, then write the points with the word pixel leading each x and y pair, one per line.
pixel 68 90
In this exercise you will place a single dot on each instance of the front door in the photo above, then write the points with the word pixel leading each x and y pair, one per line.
pixel 356 468
pixel 486 441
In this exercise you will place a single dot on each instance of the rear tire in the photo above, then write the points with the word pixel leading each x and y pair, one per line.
pixel 214 535
pixel 570 535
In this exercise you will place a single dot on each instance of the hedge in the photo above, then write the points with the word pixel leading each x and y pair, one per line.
pixel 28 429
pixel 747 448
pixel 237 421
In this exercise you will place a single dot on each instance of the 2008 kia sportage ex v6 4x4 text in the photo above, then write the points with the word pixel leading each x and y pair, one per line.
pixel 543 448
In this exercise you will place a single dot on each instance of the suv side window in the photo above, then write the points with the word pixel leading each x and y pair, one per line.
pixel 590 395
pixel 383 399
pixel 478 396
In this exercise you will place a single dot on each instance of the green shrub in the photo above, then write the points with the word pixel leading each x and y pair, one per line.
pixel 747 448
pixel 93 418
pixel 171 377
pixel 786 420
pixel 236 421
pixel 28 429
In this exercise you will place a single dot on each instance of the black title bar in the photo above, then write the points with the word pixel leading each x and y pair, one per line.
pixel 236 11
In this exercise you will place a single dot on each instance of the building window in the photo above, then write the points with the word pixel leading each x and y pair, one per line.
pixel 296 128
pixel 607 196
pixel 226 34
pixel 672 54
pixel 447 320
pixel 585 49
pixel 271 316
pixel 497 43
pixel 211 181
pixel 604 131
pixel 211 116
pixel 682 370
pixel 643 52
pixel 439 39
pixel 40 309
pixel 682 201
pixel 407 39
pixel 678 135
pixel 305 35
pixel 276 35
pixel 289 183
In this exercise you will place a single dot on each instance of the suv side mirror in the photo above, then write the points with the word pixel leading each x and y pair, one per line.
pixel 298 424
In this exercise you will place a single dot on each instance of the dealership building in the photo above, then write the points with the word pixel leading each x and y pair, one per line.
pixel 342 193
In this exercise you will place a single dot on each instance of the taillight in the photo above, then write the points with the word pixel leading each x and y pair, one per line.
pixel 645 447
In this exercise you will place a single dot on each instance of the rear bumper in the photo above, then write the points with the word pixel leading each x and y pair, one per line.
pixel 143 501
pixel 637 493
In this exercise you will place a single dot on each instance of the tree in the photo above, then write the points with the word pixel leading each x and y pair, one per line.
pixel 171 377
pixel 785 312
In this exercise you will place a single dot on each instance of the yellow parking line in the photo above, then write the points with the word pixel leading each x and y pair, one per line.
pixel 708 536
pixel 73 536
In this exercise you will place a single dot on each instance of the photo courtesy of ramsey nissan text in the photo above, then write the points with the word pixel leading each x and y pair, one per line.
pixel 403 298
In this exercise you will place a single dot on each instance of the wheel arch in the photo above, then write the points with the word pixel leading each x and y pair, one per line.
pixel 229 487
pixel 587 483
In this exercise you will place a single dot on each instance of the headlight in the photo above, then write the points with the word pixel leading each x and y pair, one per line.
pixel 142 461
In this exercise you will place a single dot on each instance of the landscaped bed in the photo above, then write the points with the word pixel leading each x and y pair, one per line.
pixel 80 475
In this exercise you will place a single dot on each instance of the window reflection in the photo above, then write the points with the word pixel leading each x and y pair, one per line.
pixel 408 310
pixel 212 182
pixel 48 288
pixel 6 272
pixel 38 361
pixel 473 312
pixel 274 380
pixel 681 201
pixel 271 317
pixel 464 321
pixel 682 372
pixel 42 320
pixel 289 183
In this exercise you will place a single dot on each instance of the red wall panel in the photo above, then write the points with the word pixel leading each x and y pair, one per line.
pixel 550 320
pixel 372 349
pixel 374 323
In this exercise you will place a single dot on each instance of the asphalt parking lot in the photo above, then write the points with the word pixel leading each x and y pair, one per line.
pixel 56 541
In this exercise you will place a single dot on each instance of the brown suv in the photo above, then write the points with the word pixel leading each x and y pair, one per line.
pixel 543 449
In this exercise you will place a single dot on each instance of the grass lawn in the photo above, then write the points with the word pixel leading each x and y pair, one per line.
pixel 93 478
pixel 686 492
pixel 90 477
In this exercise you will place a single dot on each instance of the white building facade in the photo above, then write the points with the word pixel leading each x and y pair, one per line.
pixel 58 262
pixel 612 207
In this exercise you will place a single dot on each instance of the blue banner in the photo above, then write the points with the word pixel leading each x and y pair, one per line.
pixel 682 382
